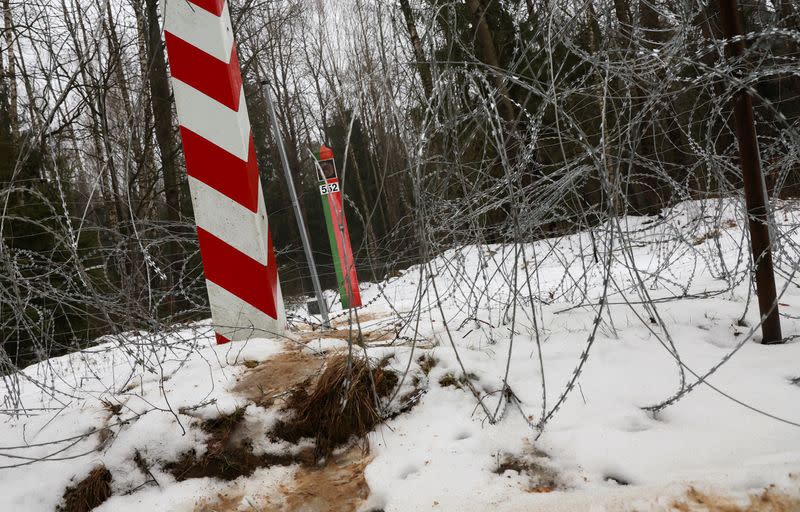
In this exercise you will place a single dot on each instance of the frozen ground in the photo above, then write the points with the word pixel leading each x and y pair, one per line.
pixel 729 439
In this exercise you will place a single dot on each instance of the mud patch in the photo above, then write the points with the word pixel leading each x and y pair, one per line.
pixel 227 456
pixel 770 500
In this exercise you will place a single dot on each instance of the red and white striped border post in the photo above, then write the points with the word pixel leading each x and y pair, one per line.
pixel 235 244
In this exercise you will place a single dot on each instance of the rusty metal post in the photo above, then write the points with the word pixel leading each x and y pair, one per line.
pixel 754 189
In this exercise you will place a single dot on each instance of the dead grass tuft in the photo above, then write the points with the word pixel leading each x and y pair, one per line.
pixel 112 408
pixel 450 380
pixel 89 493
pixel 768 501
pixel 711 235
pixel 341 404
pixel 222 426
pixel 426 363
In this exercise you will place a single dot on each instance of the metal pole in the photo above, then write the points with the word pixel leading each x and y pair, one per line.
pixel 301 225
pixel 754 189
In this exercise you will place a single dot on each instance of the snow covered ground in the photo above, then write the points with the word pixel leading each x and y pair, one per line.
pixel 452 327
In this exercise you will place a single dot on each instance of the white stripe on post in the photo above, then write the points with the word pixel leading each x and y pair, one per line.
pixel 200 28
pixel 235 319
pixel 229 221
pixel 212 120
pixel 238 258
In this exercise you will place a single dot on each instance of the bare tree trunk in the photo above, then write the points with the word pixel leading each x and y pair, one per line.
pixel 147 175
pixel 622 10
pixel 162 115
pixel 422 64
pixel 531 9
pixel 162 110
pixel 133 150
pixel 33 119
pixel 10 72
pixel 595 31
pixel 488 55
pixel 5 122
pixel 101 156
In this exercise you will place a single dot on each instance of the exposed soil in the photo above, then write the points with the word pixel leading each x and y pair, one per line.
pixel 339 486
pixel 275 377
pixel 89 493
pixel 534 464
pixel 223 502
pixel 227 456
pixel 227 464
pixel 770 500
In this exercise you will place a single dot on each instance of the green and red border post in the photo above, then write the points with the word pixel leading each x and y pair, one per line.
pixel 338 234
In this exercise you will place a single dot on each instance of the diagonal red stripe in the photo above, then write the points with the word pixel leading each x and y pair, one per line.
pixel 221 340
pixel 204 72
pixel 241 275
pixel 212 6
pixel 221 170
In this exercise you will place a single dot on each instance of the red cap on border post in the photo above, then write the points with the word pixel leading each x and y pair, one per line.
pixel 325 153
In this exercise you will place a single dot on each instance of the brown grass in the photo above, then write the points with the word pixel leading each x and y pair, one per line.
pixel 711 235
pixel 426 363
pixel 362 318
pixel 714 233
pixel 318 414
pixel 450 380
pixel 89 493
pixel 341 404
pixel 770 500
pixel 266 382
pixel 367 336
pixel 112 408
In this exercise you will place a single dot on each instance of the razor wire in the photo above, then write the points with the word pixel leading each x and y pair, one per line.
pixel 486 193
